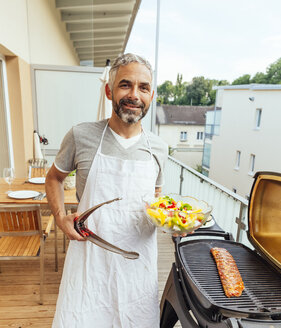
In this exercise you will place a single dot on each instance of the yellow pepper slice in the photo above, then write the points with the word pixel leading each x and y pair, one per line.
pixel 157 214
pixel 154 213
pixel 162 216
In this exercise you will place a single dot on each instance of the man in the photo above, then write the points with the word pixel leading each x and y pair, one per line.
pixel 114 158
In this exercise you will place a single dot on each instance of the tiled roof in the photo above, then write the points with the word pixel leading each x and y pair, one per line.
pixel 188 115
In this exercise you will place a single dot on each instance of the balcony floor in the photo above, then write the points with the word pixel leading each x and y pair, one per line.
pixel 19 285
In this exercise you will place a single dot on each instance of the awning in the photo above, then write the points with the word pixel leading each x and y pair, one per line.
pixel 98 29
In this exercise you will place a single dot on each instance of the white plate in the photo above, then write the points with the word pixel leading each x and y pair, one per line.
pixel 208 224
pixel 40 180
pixel 23 194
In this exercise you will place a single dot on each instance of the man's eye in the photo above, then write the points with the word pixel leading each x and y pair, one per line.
pixel 145 88
pixel 124 85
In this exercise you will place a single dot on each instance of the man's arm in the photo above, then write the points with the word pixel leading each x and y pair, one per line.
pixel 55 196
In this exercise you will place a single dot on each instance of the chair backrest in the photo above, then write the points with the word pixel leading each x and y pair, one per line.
pixel 37 168
pixel 24 220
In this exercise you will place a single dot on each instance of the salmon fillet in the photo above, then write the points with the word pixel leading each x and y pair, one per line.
pixel 230 277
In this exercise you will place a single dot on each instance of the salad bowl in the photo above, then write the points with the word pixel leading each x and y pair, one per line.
pixel 176 214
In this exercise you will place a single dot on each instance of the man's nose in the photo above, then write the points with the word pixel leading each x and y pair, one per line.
pixel 134 93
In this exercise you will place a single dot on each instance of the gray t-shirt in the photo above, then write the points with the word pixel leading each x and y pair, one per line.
pixel 81 143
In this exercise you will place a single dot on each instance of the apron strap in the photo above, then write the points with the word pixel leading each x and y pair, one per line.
pixel 148 142
pixel 102 136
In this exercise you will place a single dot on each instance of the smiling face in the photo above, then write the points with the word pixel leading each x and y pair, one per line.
pixel 131 94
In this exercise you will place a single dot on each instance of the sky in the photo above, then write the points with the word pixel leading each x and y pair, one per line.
pixel 217 39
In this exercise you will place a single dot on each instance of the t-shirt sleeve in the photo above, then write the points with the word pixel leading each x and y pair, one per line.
pixel 65 159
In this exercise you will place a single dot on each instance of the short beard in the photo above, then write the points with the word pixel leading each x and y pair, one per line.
pixel 127 115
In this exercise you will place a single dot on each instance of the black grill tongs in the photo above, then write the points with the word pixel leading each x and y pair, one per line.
pixel 79 226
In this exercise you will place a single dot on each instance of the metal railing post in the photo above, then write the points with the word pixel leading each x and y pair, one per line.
pixel 241 226
pixel 181 180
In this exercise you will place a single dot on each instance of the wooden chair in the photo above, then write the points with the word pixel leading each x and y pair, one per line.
pixel 22 237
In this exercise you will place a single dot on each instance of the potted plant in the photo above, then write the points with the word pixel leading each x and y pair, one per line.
pixel 69 181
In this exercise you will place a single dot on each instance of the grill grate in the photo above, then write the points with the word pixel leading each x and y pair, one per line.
pixel 262 294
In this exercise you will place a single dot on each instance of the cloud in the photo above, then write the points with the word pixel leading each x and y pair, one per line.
pixel 197 39
pixel 172 63
pixel 147 17
pixel 273 41
pixel 252 65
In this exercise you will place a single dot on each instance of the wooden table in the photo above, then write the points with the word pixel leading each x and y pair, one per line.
pixel 70 200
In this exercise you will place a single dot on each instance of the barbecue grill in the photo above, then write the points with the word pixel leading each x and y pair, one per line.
pixel 193 293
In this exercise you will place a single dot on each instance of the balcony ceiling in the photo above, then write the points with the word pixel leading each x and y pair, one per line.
pixel 99 29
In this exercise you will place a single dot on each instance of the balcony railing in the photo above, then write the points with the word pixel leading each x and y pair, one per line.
pixel 229 209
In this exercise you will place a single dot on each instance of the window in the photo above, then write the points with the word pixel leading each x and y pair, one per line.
pixel 237 162
pixel 258 118
pixel 252 164
pixel 199 135
pixel 212 125
pixel 183 135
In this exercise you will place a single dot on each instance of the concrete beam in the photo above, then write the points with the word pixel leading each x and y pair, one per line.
pixel 95 50
pixel 101 56
pixel 85 44
pixel 100 36
pixel 73 17
pixel 86 27
pixel 89 4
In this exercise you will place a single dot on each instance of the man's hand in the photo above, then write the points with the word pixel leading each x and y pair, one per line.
pixel 158 191
pixel 55 196
pixel 66 224
pixel 181 235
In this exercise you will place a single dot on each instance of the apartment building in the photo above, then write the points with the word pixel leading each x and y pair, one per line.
pixel 245 135
pixel 182 128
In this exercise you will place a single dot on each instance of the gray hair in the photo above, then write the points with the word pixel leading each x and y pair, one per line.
pixel 123 60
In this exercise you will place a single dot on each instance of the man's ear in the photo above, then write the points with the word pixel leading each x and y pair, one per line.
pixel 152 95
pixel 108 92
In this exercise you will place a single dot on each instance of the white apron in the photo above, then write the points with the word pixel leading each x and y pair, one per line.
pixel 101 289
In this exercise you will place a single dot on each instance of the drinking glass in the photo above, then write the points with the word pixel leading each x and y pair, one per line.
pixel 9 175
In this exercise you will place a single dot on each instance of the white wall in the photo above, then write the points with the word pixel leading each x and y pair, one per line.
pixel 193 147
pixel 32 30
pixel 237 132
pixel 190 158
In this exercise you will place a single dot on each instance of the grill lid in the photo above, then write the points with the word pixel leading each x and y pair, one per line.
pixel 264 216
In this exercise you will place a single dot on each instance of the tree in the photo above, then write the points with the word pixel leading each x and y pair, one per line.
pixel 195 91
pixel 273 72
pixel 165 92
pixel 179 91
pixel 200 90
pixel 259 78
pixel 244 79
pixel 212 94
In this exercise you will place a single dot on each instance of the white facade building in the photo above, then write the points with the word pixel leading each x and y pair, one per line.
pixel 249 137
pixel 182 128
